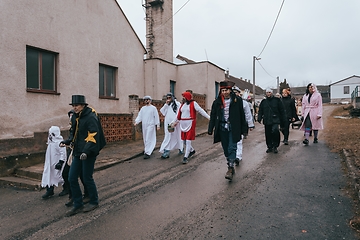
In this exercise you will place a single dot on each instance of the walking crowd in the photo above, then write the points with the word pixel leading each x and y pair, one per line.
pixel 231 118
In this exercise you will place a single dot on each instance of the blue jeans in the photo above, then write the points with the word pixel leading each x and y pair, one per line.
pixel 229 146
pixel 87 169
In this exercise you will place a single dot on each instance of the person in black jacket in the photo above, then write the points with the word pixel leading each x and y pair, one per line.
pixel 290 110
pixel 272 113
pixel 87 139
pixel 228 118
pixel 65 174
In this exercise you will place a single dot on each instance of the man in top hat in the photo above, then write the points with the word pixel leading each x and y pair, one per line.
pixel 228 118
pixel 87 138
pixel 150 122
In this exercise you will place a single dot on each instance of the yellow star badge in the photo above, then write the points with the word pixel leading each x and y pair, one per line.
pixel 90 137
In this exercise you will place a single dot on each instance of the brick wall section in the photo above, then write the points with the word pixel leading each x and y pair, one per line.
pixel 117 127
pixel 200 99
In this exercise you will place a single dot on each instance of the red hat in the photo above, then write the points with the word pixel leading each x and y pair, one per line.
pixel 226 84
pixel 187 96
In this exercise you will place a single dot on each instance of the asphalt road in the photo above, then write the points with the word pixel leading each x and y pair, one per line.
pixel 299 193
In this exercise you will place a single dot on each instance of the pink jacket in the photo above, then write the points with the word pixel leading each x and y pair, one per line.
pixel 313 109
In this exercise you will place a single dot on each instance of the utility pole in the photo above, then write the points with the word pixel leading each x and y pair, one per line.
pixel 254 58
pixel 278 84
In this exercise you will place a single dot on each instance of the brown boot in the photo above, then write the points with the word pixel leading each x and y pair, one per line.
pixel 229 174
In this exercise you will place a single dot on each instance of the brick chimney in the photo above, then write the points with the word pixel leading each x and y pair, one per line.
pixel 159 29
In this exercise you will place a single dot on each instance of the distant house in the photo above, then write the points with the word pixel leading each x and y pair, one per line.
pixel 340 91
pixel 246 84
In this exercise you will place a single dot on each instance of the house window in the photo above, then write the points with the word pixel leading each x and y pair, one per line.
pixel 107 81
pixel 172 87
pixel 217 89
pixel 40 70
pixel 346 89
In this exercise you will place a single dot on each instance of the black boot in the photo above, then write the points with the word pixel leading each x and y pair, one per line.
pixel 64 192
pixel 49 193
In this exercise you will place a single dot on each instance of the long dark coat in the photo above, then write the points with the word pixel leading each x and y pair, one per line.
pixel 271 111
pixel 290 109
pixel 236 118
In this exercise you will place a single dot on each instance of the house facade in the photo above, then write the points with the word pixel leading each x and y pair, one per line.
pixel 341 90
pixel 51 50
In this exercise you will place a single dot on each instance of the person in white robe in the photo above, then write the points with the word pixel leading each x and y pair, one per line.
pixel 54 162
pixel 249 119
pixel 150 122
pixel 172 140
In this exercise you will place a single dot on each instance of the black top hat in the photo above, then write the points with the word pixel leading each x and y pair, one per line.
pixel 78 100
pixel 226 84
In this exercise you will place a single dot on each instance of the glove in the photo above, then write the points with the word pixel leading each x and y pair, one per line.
pixel 66 142
pixel 83 156
pixel 58 166
pixel 210 133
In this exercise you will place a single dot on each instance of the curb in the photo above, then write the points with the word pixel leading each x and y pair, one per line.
pixel 353 171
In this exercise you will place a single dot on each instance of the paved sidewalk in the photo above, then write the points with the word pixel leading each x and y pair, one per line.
pixel 114 153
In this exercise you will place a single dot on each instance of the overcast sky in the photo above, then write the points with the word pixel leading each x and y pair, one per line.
pixel 314 41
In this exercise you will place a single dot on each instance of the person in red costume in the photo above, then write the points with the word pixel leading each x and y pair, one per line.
pixel 187 119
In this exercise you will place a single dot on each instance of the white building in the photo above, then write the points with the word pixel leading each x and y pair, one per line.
pixel 340 91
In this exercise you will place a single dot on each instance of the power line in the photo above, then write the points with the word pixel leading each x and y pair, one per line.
pixel 272 28
pixel 265 70
pixel 176 12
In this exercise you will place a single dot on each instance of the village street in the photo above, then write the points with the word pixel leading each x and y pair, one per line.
pixel 299 193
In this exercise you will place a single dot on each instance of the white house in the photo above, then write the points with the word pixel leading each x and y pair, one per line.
pixel 341 90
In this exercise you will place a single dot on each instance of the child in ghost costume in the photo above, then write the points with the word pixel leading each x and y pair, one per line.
pixel 54 162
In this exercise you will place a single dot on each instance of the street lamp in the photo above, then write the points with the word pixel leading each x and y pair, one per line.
pixel 254 58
